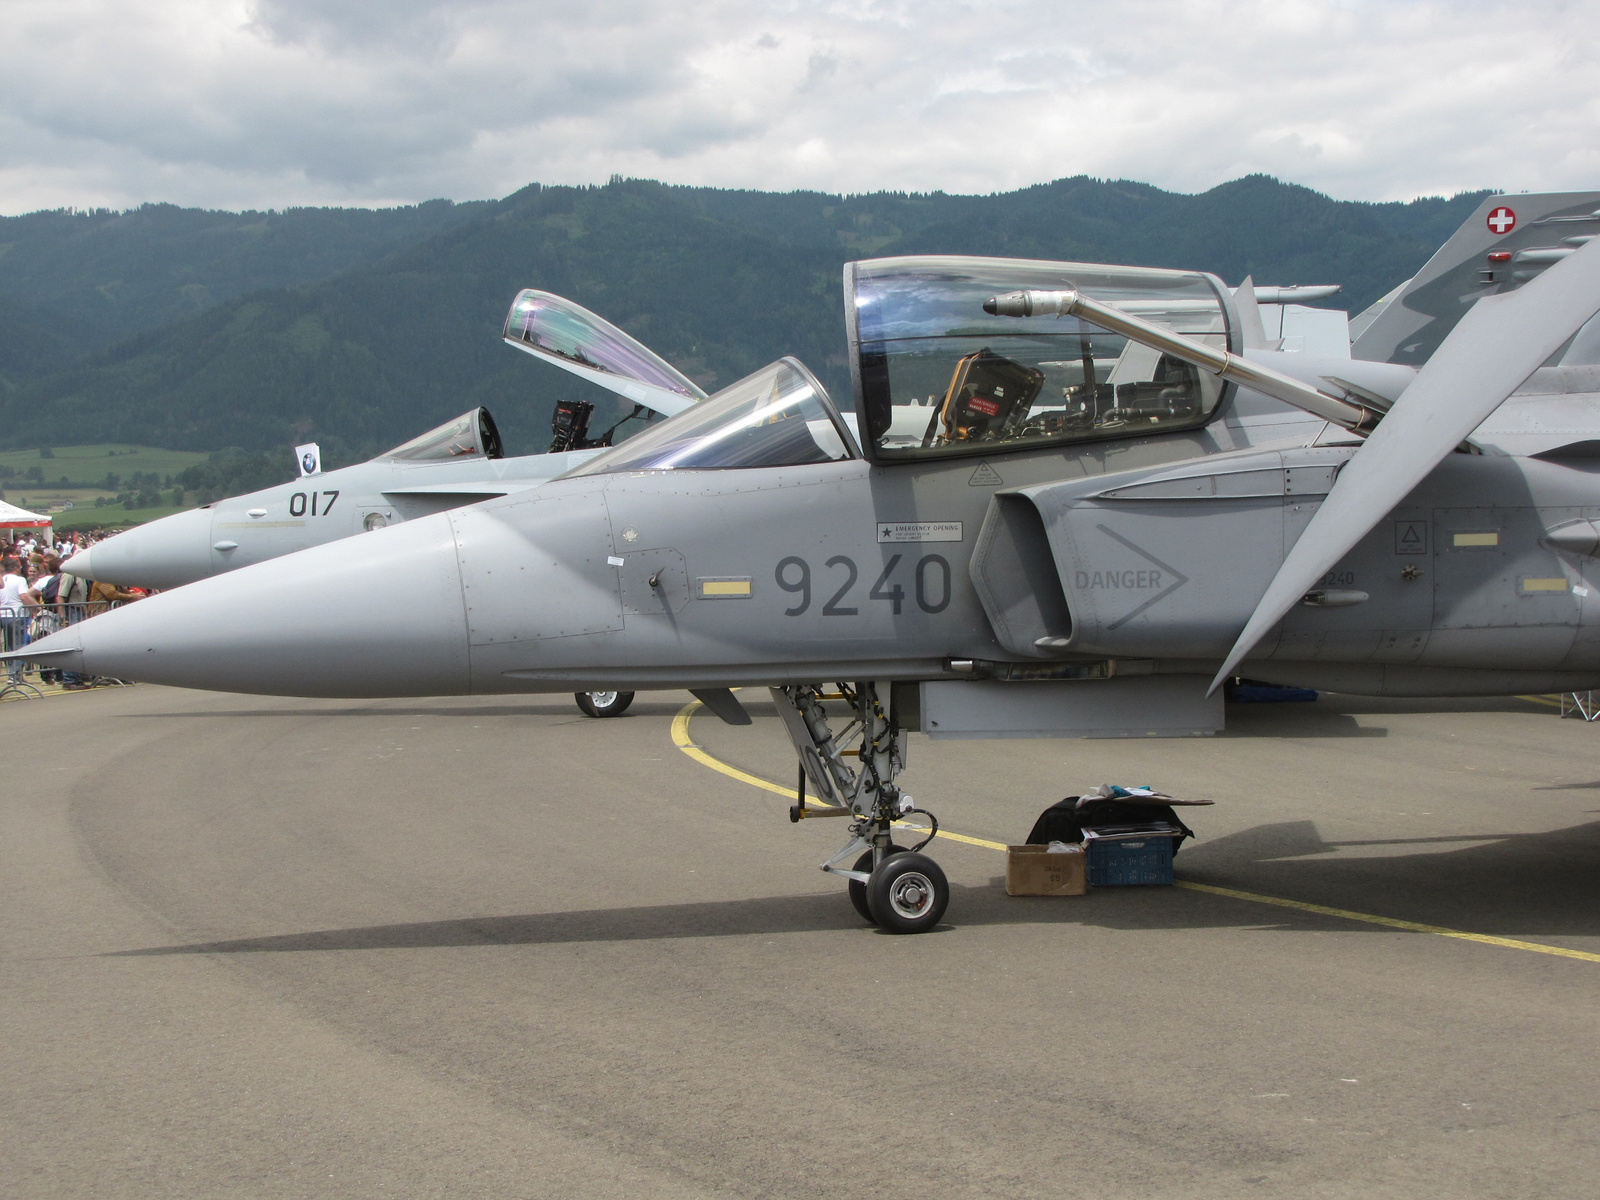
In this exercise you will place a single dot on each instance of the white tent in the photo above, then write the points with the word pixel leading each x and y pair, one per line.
pixel 12 517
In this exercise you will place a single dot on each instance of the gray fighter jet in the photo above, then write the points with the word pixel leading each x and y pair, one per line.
pixel 460 462
pixel 1078 504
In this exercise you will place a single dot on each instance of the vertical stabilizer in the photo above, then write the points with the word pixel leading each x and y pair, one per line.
pixel 1508 240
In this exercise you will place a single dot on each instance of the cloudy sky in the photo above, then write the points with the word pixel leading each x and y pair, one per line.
pixel 269 103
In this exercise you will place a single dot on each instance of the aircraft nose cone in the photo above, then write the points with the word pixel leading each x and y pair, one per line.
pixel 380 614
pixel 162 554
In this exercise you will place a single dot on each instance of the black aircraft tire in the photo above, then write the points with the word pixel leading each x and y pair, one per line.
pixel 908 894
pixel 858 891
pixel 603 704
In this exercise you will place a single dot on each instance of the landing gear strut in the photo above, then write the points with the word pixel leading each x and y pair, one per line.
pixel 902 890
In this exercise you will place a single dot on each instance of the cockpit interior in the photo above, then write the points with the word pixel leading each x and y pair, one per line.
pixel 938 376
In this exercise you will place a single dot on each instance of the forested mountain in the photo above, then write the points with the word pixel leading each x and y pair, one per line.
pixel 1280 232
pixel 29 348
pixel 97 277
pixel 719 282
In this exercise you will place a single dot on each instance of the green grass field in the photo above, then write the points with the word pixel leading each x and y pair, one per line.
pixel 91 464
pixel 115 517
pixel 88 464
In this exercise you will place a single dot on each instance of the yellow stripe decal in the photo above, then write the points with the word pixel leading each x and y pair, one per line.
pixel 681 739
pixel 1477 539
pixel 724 587
pixel 1544 585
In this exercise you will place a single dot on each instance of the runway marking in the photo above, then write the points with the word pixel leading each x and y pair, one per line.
pixel 1541 700
pixel 1389 922
pixel 681 738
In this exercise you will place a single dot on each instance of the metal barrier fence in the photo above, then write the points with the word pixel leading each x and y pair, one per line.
pixel 30 623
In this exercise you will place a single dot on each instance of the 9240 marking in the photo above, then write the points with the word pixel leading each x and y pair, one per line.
pixel 930 578
pixel 301 499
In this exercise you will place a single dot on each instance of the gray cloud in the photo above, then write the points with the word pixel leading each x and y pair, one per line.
pixel 277 102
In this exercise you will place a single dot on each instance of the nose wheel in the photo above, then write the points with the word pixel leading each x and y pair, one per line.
pixel 900 890
pixel 907 893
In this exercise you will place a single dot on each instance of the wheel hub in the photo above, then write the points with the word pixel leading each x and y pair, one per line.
pixel 911 894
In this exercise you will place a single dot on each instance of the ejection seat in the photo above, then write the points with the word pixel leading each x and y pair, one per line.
pixel 989 396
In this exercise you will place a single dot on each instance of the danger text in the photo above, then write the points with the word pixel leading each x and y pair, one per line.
pixel 1130 580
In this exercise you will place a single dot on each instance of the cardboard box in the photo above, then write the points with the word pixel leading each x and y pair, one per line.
pixel 1036 871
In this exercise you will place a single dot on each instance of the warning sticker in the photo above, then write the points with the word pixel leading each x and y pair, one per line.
pixel 919 531
pixel 1410 537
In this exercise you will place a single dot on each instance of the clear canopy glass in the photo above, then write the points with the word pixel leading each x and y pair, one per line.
pixel 778 417
pixel 472 433
pixel 568 335
pixel 938 376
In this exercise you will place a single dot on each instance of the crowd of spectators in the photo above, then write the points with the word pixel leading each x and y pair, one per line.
pixel 37 597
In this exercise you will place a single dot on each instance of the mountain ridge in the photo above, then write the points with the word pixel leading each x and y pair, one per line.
pixel 718 281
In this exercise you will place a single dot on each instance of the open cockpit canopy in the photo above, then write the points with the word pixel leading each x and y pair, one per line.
pixel 472 434
pixel 936 376
pixel 571 337
pixel 777 417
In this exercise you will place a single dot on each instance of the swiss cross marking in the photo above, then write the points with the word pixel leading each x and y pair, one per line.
pixel 1502 221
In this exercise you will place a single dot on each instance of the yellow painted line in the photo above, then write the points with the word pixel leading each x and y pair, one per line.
pixel 1388 922
pixel 680 738
pixel 1541 700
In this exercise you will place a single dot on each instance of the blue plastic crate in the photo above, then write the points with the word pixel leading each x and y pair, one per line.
pixel 1121 864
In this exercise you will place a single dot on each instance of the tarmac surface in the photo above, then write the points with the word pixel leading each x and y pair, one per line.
pixel 491 948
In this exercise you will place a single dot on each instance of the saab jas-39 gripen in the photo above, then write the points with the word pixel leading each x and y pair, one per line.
pixel 1078 503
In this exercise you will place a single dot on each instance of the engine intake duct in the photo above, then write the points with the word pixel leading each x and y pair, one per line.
pixel 1014 572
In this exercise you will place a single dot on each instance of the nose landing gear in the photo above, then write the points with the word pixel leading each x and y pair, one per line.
pixel 899 889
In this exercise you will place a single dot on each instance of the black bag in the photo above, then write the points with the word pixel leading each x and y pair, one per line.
pixel 1064 821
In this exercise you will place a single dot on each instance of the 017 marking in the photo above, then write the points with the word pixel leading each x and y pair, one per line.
pixel 301 500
